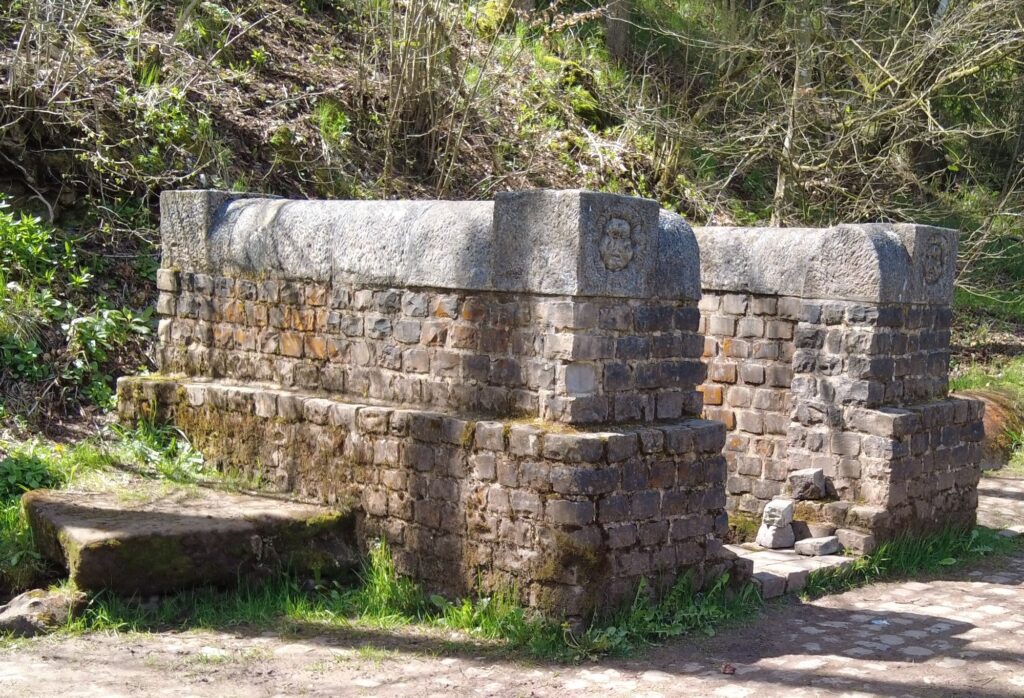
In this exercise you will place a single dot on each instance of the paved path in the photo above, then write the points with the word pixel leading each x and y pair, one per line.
pixel 960 635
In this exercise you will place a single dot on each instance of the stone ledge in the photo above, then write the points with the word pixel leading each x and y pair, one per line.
pixel 534 437
pixel 778 572
pixel 573 518
pixel 161 541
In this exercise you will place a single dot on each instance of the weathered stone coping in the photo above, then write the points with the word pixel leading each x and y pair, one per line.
pixel 572 242
pixel 876 262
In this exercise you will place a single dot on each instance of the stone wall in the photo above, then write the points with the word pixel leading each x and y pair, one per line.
pixel 573 519
pixel 506 391
pixel 580 360
pixel 807 369
pixel 511 391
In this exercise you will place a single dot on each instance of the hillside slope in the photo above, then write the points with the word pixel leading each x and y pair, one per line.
pixel 728 112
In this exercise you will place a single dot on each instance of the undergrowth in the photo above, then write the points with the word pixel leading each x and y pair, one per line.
pixel 908 555
pixel 61 339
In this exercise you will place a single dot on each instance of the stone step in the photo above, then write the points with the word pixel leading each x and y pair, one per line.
pixel 154 539
pixel 778 572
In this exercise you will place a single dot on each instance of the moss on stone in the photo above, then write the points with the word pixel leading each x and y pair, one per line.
pixel 468 434
pixel 566 554
pixel 743 526
pixel 130 563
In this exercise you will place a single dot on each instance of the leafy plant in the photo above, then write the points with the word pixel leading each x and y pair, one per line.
pixel 91 340
pixel 162 448
pixel 333 123
pixel 22 471
pixel 28 251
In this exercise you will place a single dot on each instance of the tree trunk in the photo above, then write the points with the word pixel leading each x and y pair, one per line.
pixel 616 31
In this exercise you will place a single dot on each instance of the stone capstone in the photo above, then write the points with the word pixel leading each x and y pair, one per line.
pixel 159 541
pixel 40 611
pixel 572 242
pixel 874 262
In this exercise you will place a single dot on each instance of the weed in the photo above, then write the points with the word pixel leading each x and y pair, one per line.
pixel 162 449
pixel 20 564
pixel 386 598
pixel 333 123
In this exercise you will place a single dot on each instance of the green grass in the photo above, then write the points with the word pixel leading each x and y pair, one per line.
pixel 385 599
pixel 1003 375
pixel 160 453
pixel 1001 378
pixel 908 555
pixel 1001 304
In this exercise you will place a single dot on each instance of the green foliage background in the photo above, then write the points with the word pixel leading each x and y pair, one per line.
pixel 784 111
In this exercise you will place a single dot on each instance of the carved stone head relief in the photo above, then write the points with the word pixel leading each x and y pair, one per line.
pixel 936 254
pixel 617 244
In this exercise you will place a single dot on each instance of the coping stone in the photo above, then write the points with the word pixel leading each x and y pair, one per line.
pixel 559 242
pixel 873 262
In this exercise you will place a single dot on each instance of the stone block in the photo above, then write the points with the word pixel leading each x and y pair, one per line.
pixel 776 536
pixel 567 512
pixel 778 512
pixel 808 483
pixel 818 546
pixel 573 448
pixel 206 537
pixel 857 541
pixel 586 243
pixel 770 584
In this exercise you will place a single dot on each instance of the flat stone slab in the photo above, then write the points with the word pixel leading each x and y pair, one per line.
pixel 778 572
pixel 159 540
pixel 826 545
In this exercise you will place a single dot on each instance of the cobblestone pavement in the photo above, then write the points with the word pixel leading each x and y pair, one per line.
pixel 1001 502
pixel 958 635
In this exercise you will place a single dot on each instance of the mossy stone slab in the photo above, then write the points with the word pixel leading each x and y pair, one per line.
pixel 163 540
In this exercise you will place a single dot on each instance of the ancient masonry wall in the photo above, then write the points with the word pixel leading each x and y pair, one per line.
pixel 506 391
pixel 806 370
pixel 567 359
pixel 574 520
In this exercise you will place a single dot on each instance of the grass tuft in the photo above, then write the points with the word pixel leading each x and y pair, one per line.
pixel 386 599
pixel 909 555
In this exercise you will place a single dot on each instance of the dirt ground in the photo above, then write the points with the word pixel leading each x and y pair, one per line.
pixel 957 635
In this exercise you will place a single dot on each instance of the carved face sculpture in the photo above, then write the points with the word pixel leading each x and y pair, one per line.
pixel 935 258
pixel 617 244
pixel 776 513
